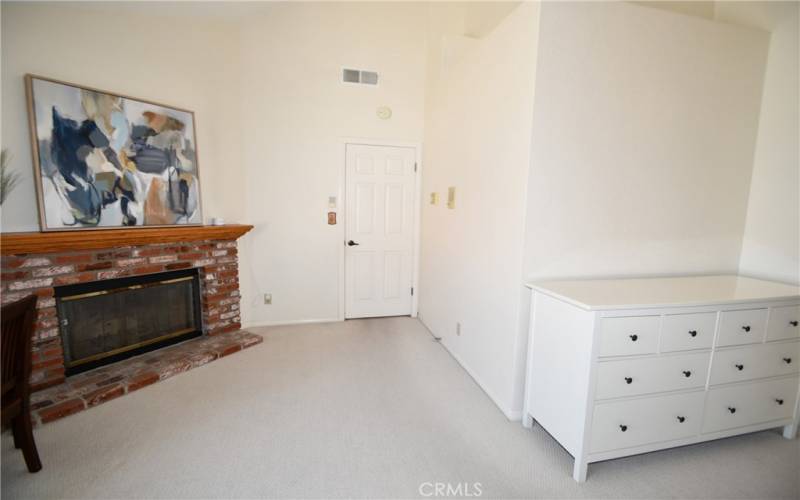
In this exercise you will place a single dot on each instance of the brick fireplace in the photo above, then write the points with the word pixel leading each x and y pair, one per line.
pixel 36 263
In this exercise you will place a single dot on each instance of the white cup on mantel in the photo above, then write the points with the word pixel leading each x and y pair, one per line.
pixel 217 221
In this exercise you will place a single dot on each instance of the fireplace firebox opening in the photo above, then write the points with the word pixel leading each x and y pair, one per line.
pixel 102 322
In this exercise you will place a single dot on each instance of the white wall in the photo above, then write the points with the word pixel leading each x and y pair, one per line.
pixel 644 134
pixel 264 81
pixel 294 116
pixel 629 170
pixel 643 140
pixel 187 62
pixel 771 244
pixel 477 138
pixel 699 8
pixel 480 18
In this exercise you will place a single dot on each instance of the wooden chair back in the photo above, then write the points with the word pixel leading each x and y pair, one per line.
pixel 17 331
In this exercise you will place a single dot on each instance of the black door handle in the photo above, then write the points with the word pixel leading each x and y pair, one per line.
pixel 746 328
pixel 352 243
pixel 693 333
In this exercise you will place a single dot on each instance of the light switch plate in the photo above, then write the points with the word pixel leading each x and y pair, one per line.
pixel 451 197
pixel 434 198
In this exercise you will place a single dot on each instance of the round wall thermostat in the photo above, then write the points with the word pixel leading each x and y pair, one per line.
pixel 384 112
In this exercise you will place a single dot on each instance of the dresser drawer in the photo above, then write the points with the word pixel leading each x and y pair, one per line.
pixel 753 362
pixel 741 405
pixel 629 335
pixel 625 424
pixel 784 323
pixel 683 332
pixel 644 376
pixel 741 327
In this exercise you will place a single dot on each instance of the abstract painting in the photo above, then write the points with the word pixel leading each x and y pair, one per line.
pixel 102 160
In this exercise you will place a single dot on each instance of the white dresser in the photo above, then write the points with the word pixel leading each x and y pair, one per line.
pixel 620 367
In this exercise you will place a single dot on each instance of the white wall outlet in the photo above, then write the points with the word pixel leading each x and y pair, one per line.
pixel 268 298
pixel 458 329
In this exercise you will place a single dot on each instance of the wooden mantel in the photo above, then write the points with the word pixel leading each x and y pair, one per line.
pixel 66 241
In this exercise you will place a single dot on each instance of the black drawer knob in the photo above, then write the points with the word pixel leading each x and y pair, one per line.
pixel 623 428
pixel 793 323
pixel 732 409
pixel 687 373
pixel 739 367
pixel 693 333
pixel 634 337
pixel 788 361
pixel 746 328
pixel 779 401
pixel 628 380
pixel 681 419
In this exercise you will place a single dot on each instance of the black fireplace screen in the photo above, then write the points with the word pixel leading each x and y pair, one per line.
pixel 105 321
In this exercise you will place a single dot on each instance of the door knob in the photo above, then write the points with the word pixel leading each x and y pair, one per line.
pixel 352 243
pixel 693 333
pixel 746 328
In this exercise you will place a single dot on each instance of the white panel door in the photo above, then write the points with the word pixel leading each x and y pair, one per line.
pixel 379 230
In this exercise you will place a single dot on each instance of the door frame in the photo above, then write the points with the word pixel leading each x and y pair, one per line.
pixel 341 208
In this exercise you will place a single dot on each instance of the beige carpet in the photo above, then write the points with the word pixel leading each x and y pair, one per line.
pixel 369 408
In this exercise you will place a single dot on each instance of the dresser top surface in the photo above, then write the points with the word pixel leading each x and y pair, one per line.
pixel 642 293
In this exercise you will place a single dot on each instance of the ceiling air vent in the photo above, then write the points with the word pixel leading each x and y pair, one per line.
pixel 359 76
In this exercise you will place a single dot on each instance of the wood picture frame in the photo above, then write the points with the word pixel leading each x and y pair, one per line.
pixel 104 160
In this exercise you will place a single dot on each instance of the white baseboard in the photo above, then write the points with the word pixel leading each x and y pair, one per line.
pixel 510 414
pixel 291 322
pixel 513 415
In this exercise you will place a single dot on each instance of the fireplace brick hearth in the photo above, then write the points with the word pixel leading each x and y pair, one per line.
pixel 91 257
pixel 91 388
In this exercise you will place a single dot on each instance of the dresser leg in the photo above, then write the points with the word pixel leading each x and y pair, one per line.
pixel 790 431
pixel 527 421
pixel 580 471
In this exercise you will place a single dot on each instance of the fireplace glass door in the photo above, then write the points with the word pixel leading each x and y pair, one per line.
pixel 105 321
